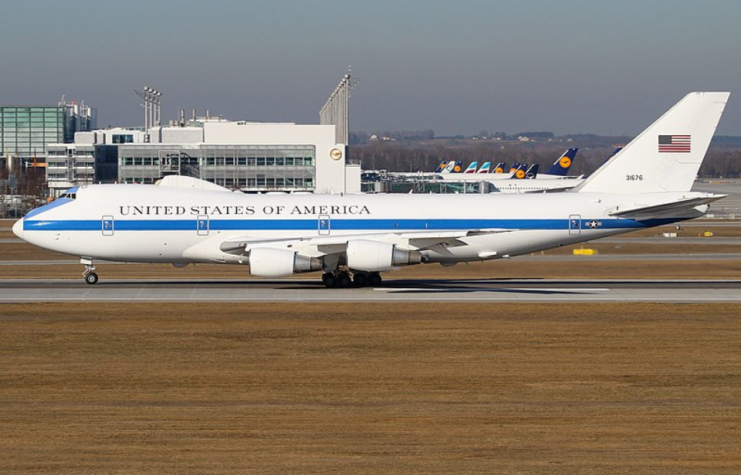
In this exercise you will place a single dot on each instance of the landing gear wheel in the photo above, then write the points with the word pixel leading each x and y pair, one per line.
pixel 329 279
pixel 343 280
pixel 91 278
pixel 361 280
pixel 374 279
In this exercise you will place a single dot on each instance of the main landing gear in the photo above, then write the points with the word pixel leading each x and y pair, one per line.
pixel 341 279
pixel 89 274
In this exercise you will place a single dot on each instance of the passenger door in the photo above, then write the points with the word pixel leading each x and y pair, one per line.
pixel 202 225
pixel 107 225
pixel 575 224
pixel 323 225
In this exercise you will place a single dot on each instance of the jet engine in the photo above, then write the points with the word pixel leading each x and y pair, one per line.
pixel 376 256
pixel 269 262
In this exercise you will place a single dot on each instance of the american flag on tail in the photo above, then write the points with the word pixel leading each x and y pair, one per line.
pixel 675 143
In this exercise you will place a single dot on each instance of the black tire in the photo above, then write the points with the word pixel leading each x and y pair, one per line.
pixel 91 278
pixel 344 281
pixel 374 280
pixel 329 280
pixel 360 280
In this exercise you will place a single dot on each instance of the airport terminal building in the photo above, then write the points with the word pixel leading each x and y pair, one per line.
pixel 249 156
pixel 241 155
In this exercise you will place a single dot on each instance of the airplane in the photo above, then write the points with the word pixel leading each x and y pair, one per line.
pixel 472 167
pixel 617 149
pixel 561 166
pixel 485 168
pixel 511 182
pixel 452 167
pixel 532 172
pixel 522 171
pixel 441 167
pixel 354 238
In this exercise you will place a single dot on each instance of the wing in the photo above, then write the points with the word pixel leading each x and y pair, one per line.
pixel 317 246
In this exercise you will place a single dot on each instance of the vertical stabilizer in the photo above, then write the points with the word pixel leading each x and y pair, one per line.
pixel 472 167
pixel 441 167
pixel 562 165
pixel 668 154
pixel 532 172
pixel 520 172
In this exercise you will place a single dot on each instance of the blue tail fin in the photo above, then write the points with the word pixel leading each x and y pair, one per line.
pixel 485 168
pixel 614 152
pixel 532 172
pixel 561 166
pixel 520 172
pixel 500 167
pixel 441 167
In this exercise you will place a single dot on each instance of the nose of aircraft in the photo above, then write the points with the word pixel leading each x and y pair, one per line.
pixel 18 228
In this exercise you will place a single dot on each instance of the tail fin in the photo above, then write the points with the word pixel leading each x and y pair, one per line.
pixel 452 167
pixel 561 166
pixel 472 167
pixel 532 172
pixel 614 152
pixel 520 172
pixel 515 166
pixel 485 168
pixel 441 167
pixel 500 167
pixel 667 155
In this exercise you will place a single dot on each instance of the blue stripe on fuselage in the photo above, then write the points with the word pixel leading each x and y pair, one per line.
pixel 336 224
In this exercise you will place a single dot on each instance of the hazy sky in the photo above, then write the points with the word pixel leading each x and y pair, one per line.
pixel 568 66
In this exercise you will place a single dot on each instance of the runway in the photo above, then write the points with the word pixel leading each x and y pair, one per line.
pixel 401 290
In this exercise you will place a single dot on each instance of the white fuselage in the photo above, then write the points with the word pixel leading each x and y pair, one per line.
pixel 148 223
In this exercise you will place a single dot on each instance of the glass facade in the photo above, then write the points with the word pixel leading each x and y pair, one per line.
pixel 25 131
pixel 245 167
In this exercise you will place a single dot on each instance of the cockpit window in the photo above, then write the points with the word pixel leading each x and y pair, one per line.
pixel 69 196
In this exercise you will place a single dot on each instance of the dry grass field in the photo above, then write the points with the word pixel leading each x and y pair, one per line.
pixel 341 388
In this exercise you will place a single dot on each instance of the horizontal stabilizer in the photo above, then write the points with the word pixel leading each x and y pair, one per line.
pixel 666 207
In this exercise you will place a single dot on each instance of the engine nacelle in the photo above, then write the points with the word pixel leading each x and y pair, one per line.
pixel 269 262
pixel 377 256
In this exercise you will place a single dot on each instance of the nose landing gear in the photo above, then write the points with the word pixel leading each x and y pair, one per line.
pixel 91 278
